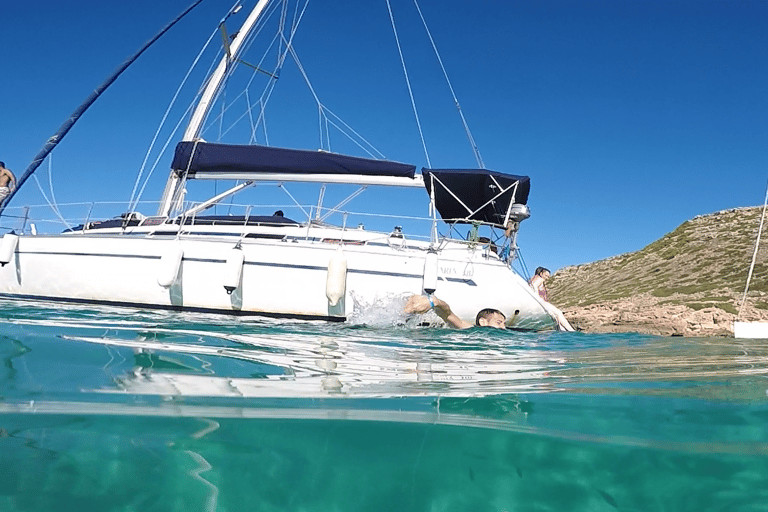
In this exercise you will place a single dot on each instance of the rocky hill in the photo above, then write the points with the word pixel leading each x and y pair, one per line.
pixel 689 283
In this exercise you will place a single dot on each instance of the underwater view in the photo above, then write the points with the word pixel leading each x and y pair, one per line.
pixel 110 409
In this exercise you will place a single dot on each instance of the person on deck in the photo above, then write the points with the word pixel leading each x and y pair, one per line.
pixel 538 283
pixel 488 317
pixel 7 181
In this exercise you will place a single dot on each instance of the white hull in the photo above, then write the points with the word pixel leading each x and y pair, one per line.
pixel 285 276
pixel 753 330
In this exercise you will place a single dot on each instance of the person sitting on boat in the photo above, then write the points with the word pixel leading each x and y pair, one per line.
pixel 488 317
pixel 538 283
pixel 7 181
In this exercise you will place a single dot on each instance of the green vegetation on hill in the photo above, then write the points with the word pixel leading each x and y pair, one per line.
pixel 702 263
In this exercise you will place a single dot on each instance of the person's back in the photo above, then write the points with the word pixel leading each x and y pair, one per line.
pixel 7 181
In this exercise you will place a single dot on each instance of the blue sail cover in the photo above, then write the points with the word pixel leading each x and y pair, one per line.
pixel 227 158
pixel 475 188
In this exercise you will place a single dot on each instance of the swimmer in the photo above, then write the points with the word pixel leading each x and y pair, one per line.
pixel 488 317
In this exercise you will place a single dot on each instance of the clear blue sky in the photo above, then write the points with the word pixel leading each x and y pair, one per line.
pixel 630 117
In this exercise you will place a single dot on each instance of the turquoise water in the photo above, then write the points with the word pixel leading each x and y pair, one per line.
pixel 121 410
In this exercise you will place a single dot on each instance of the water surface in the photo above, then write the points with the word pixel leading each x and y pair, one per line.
pixel 123 410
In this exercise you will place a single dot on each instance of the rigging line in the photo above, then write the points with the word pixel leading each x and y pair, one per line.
pixel 298 204
pixel 325 136
pixel 754 254
pixel 320 125
pixel 168 141
pixel 42 192
pixel 261 120
pixel 408 83
pixel 225 109
pixel 189 109
pixel 221 95
pixel 304 74
pixel 266 93
pixel 371 148
pixel 70 122
pixel 270 84
pixel 51 204
pixel 295 21
pixel 201 89
pixel 264 124
pixel 223 73
pixel 134 198
pixel 282 55
pixel 307 81
pixel 344 202
pixel 54 206
pixel 296 16
pixel 358 144
pixel 249 109
pixel 448 81
pixel 284 15
pixel 280 38
pixel 163 149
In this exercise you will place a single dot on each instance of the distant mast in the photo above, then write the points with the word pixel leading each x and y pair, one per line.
pixel 754 255
pixel 172 195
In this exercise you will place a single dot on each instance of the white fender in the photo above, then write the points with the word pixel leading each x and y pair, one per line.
pixel 430 272
pixel 233 272
pixel 170 263
pixel 336 284
pixel 8 248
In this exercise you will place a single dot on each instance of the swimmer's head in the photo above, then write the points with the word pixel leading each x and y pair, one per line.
pixel 490 317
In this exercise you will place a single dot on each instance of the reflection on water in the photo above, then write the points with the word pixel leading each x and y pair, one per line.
pixel 194 356
pixel 104 409
pixel 302 366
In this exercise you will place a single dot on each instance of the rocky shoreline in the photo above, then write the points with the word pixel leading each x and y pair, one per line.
pixel 638 314
pixel 688 283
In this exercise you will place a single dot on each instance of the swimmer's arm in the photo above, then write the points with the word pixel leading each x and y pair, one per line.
pixel 420 304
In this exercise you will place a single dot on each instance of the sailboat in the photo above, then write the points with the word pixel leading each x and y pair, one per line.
pixel 261 261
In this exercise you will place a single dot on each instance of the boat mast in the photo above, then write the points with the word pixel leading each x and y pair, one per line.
pixel 172 195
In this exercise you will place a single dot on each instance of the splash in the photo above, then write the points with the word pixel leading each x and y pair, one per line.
pixel 387 311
